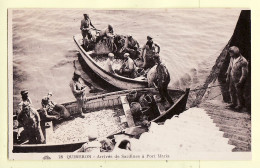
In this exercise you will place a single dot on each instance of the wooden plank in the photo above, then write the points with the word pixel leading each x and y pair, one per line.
pixel 126 108
pixel 49 132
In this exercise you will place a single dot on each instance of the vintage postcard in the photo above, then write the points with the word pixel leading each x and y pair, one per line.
pixel 129 84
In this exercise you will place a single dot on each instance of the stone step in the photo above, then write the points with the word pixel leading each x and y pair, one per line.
pixel 237 137
pixel 232 123
pixel 234 130
pixel 224 117
pixel 240 144
pixel 228 115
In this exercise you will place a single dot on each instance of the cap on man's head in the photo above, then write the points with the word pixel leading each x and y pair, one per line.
pixel 77 72
pixel 111 55
pixel 24 92
pixel 149 37
pixel 234 49
pixel 126 55
pixel 45 100
pixel 85 15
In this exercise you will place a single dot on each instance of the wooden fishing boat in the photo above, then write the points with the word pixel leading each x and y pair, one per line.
pixel 113 100
pixel 118 81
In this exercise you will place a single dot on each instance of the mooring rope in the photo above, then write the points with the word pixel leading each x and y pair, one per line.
pixel 204 88
pixel 215 96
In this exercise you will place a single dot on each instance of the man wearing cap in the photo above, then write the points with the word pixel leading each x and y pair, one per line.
pixel 131 46
pixel 25 99
pixel 30 120
pixel 148 52
pixel 78 89
pixel 236 76
pixel 128 67
pixel 85 26
pixel 109 62
pixel 162 80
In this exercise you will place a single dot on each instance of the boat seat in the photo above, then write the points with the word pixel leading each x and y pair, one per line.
pixel 128 114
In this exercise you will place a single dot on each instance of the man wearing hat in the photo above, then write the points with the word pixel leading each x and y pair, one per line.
pixel 85 26
pixel 109 62
pixel 148 52
pixel 30 120
pixel 162 80
pixel 128 67
pixel 236 76
pixel 25 99
pixel 78 89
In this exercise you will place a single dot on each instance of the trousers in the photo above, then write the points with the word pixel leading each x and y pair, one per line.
pixel 236 93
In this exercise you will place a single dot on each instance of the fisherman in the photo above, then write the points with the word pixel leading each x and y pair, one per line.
pixel 109 62
pixel 25 99
pixel 78 89
pixel 53 108
pixel 236 76
pixel 162 80
pixel 108 32
pixel 131 46
pixel 85 27
pixel 45 114
pixel 128 67
pixel 30 120
pixel 148 52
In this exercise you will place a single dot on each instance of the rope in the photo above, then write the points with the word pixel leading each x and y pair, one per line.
pixel 204 88
pixel 215 96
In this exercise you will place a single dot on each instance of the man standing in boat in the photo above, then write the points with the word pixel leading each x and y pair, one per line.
pixel 148 52
pixel 25 99
pixel 30 120
pixel 85 27
pixel 162 80
pixel 236 77
pixel 78 89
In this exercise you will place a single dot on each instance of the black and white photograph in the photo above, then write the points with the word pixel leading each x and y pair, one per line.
pixel 129 84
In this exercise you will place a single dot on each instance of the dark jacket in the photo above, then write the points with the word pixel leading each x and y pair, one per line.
pixel 162 75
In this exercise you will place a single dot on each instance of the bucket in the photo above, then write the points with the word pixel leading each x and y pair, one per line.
pixel 135 109
pixel 145 100
pixel 132 96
